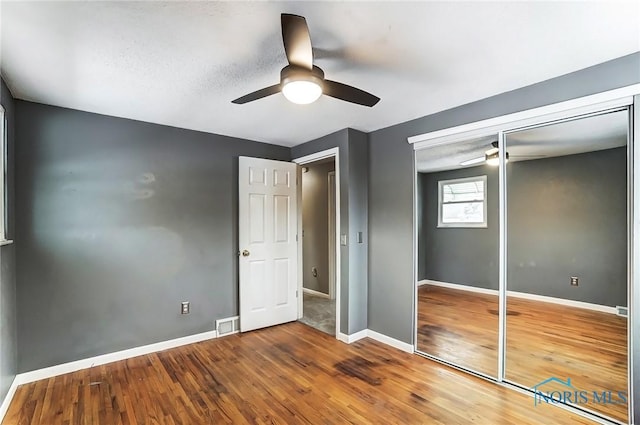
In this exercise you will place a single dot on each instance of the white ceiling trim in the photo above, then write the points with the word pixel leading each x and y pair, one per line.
pixel 562 110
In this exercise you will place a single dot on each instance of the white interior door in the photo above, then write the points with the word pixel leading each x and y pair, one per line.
pixel 267 207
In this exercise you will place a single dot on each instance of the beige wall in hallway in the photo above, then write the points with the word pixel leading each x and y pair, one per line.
pixel 315 226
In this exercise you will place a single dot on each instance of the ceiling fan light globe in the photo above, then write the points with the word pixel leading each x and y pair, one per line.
pixel 302 92
pixel 494 159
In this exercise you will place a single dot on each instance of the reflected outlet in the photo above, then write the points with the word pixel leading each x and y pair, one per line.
pixel 184 307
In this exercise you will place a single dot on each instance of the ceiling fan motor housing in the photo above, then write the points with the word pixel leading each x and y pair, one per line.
pixel 292 73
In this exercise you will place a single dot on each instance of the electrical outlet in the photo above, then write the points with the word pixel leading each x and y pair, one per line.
pixel 185 307
pixel 574 281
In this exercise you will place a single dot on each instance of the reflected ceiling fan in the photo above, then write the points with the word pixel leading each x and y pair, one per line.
pixel 491 156
pixel 301 81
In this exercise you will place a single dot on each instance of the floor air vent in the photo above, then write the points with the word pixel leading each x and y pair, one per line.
pixel 622 311
pixel 228 326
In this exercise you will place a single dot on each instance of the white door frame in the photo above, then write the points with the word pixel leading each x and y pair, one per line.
pixel 328 153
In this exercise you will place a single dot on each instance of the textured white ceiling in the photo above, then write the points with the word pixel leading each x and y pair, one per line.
pixel 181 63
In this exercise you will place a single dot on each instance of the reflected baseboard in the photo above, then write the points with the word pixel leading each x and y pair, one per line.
pixel 524 295
pixel 459 287
pixel 315 293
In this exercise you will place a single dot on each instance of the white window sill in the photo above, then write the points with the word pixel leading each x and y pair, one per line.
pixel 462 226
pixel 6 242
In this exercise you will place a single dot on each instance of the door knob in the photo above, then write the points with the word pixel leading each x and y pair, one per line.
pixel 245 253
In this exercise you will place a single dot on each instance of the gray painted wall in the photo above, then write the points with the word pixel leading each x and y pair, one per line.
pixel 118 221
pixel 315 226
pixel 358 234
pixel 567 216
pixel 353 151
pixel 8 310
pixel 391 180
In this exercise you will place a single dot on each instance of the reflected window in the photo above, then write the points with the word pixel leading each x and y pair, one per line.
pixel 462 202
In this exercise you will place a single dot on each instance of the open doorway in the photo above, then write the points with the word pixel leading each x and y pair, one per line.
pixel 319 260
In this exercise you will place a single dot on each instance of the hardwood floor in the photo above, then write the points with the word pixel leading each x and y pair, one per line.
pixel 543 340
pixel 289 374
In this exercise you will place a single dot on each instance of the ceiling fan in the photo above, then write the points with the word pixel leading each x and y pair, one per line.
pixel 301 81
pixel 491 156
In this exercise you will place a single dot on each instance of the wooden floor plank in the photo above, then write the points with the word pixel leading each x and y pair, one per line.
pixel 289 374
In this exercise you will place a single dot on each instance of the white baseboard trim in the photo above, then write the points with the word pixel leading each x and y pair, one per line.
pixel 315 293
pixel 403 346
pixel 368 333
pixel 523 295
pixel 4 407
pixel 49 372
pixel 348 339
pixel 343 338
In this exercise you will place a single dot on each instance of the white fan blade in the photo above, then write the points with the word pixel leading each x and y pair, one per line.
pixel 473 161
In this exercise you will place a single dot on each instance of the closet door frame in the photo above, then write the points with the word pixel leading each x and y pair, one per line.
pixel 626 97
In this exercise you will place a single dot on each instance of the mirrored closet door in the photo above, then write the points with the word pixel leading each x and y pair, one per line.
pixel 458 235
pixel 523 259
pixel 567 261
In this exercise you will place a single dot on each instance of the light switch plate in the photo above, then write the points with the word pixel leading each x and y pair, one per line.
pixel 343 240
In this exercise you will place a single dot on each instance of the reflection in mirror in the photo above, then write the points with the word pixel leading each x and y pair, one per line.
pixel 566 333
pixel 457 201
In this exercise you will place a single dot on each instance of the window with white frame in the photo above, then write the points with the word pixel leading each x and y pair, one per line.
pixel 462 202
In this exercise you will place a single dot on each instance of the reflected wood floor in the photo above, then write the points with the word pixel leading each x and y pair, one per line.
pixel 543 340
pixel 288 374
pixel 460 327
